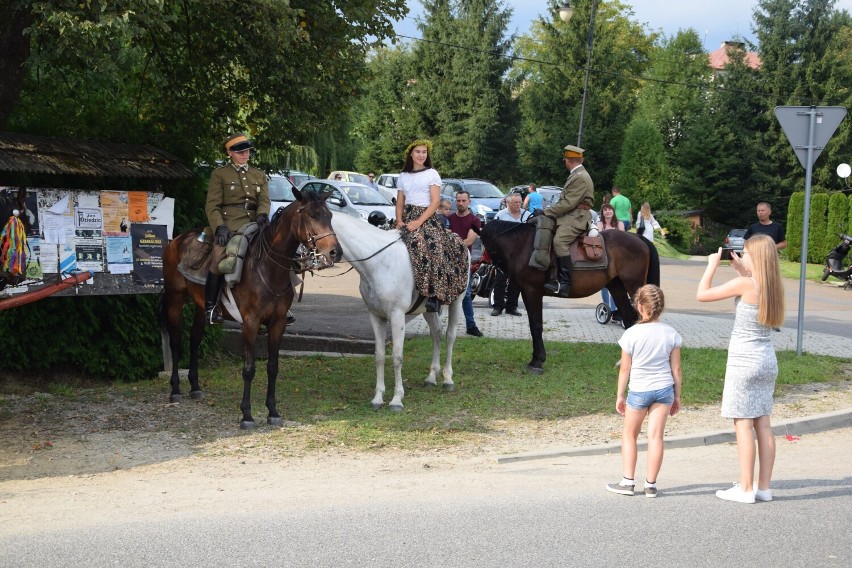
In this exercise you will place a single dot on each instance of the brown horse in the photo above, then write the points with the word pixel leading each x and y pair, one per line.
pixel 263 295
pixel 633 262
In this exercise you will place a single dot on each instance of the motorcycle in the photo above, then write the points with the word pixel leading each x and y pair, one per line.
pixel 835 260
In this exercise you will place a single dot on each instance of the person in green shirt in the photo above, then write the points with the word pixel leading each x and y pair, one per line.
pixel 623 210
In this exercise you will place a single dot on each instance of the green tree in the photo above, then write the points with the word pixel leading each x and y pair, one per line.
pixel 181 74
pixel 457 91
pixel 550 89
pixel 643 174
pixel 675 95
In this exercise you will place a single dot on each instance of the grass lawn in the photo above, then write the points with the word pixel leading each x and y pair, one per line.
pixel 332 395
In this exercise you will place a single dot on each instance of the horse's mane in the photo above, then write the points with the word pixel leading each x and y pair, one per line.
pixel 496 228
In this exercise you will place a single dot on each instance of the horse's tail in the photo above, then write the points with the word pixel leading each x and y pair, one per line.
pixel 653 264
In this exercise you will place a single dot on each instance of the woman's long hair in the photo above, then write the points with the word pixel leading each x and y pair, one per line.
pixel 645 210
pixel 409 163
pixel 767 274
pixel 613 223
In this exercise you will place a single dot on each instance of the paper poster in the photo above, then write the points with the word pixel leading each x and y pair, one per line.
pixel 88 219
pixel 119 255
pixel 138 206
pixel 149 241
pixel 164 214
pixel 115 209
pixel 89 246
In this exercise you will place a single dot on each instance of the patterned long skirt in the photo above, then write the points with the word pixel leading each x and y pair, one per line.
pixel 438 257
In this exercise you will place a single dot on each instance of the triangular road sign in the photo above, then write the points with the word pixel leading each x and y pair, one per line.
pixel 796 123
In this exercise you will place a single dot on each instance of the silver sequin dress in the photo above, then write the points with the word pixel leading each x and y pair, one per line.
pixel 752 367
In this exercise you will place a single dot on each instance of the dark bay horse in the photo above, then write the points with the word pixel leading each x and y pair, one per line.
pixel 263 295
pixel 633 262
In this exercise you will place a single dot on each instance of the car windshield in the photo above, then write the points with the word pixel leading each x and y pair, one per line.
pixel 359 178
pixel 483 189
pixel 280 189
pixel 737 233
pixel 363 195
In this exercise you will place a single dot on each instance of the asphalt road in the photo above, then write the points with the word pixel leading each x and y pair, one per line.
pixel 541 513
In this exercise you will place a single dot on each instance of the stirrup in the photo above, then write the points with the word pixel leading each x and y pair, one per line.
pixel 213 316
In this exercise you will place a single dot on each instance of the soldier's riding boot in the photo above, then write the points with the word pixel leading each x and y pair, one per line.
pixel 562 285
pixel 212 290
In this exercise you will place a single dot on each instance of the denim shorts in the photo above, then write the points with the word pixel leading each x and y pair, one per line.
pixel 642 400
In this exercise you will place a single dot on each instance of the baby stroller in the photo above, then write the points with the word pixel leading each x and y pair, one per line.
pixel 835 260
pixel 606 311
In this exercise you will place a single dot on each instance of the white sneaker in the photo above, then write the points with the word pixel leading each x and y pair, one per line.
pixel 763 495
pixel 736 494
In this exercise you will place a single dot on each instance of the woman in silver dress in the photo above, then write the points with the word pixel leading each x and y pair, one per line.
pixel 752 368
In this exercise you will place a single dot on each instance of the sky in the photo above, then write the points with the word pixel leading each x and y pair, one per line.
pixel 716 21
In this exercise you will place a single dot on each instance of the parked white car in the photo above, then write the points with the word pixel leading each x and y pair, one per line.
pixel 281 195
pixel 387 186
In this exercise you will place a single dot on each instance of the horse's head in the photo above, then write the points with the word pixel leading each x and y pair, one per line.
pixel 313 228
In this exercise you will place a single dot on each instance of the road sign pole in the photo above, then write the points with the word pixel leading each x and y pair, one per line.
pixel 817 131
pixel 805 226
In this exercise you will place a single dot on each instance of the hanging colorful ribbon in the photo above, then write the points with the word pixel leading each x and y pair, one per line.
pixel 13 253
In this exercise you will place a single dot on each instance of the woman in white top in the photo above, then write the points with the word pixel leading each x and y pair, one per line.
pixel 438 257
pixel 645 223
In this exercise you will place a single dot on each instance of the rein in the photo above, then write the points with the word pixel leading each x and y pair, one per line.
pixel 264 249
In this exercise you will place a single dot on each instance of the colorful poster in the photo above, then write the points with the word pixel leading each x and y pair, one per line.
pixel 115 210
pixel 149 241
pixel 138 206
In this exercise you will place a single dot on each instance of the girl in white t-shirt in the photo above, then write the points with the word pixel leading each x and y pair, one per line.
pixel 650 358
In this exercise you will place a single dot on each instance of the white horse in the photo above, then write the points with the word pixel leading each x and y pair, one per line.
pixel 387 286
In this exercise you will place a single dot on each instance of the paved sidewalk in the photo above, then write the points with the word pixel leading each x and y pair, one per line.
pixel 578 324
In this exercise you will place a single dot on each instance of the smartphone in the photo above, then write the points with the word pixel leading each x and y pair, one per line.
pixel 726 254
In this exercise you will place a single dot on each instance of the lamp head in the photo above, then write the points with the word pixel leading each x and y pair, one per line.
pixel 843 170
pixel 565 12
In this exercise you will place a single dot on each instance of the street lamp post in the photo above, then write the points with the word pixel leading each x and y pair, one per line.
pixel 565 14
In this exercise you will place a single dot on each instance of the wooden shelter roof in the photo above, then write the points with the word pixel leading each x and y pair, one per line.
pixel 27 153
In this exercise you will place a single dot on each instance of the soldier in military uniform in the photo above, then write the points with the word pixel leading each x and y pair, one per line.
pixel 572 216
pixel 237 194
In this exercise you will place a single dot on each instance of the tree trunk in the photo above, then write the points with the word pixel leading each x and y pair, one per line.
pixel 14 52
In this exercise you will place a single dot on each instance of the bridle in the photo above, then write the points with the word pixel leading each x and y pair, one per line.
pixel 313 256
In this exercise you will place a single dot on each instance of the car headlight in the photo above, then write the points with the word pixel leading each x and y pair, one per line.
pixel 363 214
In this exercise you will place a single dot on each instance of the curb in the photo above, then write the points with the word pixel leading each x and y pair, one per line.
pixel 807 425
pixel 232 341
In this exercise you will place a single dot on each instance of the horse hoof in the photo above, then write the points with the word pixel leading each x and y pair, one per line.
pixel 534 370
pixel 175 397
pixel 396 407
pixel 196 395
pixel 377 406
pixel 449 387
pixel 429 384
pixel 248 425
pixel 274 421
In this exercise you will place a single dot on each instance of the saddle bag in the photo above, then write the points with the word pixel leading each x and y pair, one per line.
pixel 197 253
pixel 590 247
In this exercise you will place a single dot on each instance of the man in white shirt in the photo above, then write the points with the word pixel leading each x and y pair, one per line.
pixel 505 292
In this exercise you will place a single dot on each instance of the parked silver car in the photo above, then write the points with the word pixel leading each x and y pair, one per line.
pixel 353 198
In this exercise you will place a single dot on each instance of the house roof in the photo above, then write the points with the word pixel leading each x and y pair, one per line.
pixel 28 153
pixel 720 57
